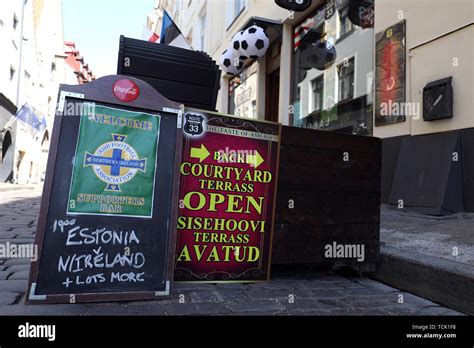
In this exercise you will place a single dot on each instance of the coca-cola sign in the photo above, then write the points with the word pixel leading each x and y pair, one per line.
pixel 126 90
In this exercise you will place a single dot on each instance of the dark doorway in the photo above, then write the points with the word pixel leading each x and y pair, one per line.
pixel 272 95
pixel 272 83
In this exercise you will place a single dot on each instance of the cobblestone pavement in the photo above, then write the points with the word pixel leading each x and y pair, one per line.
pixel 300 291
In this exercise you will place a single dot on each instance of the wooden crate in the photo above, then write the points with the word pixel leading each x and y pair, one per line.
pixel 333 200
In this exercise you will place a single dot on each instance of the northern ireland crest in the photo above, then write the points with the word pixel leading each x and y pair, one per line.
pixel 115 162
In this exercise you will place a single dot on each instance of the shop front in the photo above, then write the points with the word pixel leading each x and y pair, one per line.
pixel 333 69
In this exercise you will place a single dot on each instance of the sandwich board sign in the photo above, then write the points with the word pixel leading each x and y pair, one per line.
pixel 227 198
pixel 107 223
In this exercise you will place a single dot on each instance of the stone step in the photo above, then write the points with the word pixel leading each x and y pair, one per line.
pixel 441 280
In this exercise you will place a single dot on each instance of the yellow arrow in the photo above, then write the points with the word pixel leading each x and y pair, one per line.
pixel 255 160
pixel 200 153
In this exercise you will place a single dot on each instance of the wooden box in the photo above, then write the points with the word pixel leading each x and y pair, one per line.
pixel 328 192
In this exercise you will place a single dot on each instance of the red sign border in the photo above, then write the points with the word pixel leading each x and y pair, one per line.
pixel 277 166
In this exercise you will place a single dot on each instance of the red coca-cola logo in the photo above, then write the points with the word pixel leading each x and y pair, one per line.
pixel 126 90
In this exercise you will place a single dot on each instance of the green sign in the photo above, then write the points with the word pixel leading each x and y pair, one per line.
pixel 115 163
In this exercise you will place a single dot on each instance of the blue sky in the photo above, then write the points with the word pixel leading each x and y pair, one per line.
pixel 96 25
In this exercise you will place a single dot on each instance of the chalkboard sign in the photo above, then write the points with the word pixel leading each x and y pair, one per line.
pixel 107 224
pixel 227 198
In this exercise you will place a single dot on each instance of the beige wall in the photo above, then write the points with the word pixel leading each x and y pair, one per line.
pixel 433 40
pixel 450 55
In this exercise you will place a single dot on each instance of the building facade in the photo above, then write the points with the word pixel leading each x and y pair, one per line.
pixel 77 70
pixel 394 57
pixel 18 74
pixel 270 87
pixel 35 61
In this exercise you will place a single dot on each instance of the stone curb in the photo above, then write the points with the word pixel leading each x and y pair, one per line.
pixel 443 281
pixel 14 187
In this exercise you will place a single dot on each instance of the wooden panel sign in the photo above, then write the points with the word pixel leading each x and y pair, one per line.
pixel 107 227
pixel 227 198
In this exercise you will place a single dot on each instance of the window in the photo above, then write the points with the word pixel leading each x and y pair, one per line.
pixel 345 74
pixel 243 93
pixel 202 32
pixel 12 73
pixel 317 90
pixel 15 21
pixel 176 5
pixel 234 8
pixel 330 90
pixel 189 37
pixel 345 24
pixel 370 87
